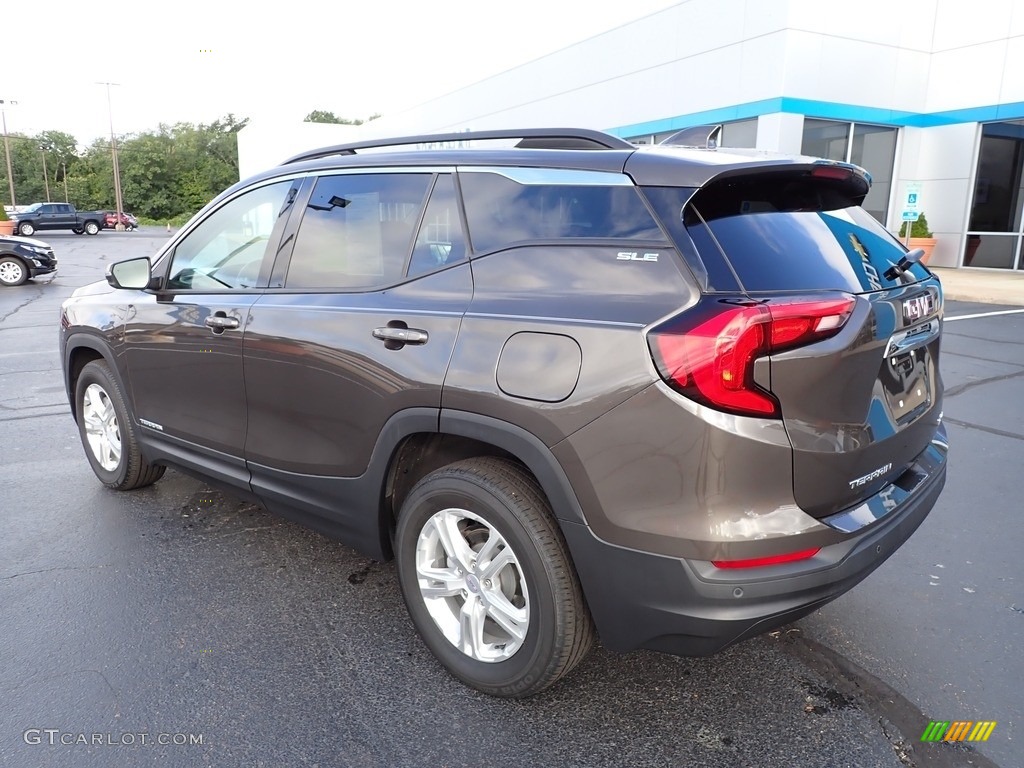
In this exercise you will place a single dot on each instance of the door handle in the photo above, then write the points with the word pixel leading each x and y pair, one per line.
pixel 219 322
pixel 396 338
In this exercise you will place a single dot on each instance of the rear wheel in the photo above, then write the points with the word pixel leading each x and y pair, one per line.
pixel 487 579
pixel 12 271
pixel 78 230
pixel 26 230
pixel 107 432
pixel 91 227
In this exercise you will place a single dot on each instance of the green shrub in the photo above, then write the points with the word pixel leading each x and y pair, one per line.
pixel 3 214
pixel 918 229
pixel 174 221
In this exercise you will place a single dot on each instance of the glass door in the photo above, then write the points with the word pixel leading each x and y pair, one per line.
pixel 994 232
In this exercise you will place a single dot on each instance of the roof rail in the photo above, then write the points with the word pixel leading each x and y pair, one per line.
pixel 531 138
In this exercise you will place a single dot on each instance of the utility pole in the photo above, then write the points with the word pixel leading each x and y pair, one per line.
pixel 7 146
pixel 64 175
pixel 113 149
pixel 46 176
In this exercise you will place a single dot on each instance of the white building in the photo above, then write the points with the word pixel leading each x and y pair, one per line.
pixel 924 93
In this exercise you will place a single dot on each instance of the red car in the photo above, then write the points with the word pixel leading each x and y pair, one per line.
pixel 127 219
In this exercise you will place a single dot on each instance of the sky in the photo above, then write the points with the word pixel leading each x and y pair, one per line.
pixel 189 61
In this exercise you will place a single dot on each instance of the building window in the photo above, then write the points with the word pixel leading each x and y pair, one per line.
pixel 872 147
pixel 740 133
pixel 995 229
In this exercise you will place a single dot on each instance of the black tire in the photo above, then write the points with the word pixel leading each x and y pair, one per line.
pixel 131 470
pixel 12 271
pixel 78 230
pixel 25 229
pixel 559 631
pixel 92 228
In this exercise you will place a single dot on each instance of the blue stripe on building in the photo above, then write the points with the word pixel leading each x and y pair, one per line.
pixel 826 110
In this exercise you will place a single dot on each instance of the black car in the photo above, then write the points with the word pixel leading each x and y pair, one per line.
pixel 24 257
pixel 673 397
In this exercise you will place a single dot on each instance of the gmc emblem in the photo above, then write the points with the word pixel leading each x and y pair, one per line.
pixel 918 307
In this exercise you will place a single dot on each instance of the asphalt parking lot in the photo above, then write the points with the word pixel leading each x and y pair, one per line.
pixel 185 627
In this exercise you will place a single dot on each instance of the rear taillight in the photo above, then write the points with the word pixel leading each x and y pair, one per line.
pixel 708 352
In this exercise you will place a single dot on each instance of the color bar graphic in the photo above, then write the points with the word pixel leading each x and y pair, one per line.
pixel 958 730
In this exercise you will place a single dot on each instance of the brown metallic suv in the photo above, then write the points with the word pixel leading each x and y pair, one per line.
pixel 673 397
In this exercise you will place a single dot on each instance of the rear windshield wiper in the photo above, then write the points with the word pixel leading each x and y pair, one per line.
pixel 904 264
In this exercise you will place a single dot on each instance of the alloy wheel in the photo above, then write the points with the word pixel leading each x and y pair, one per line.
pixel 102 432
pixel 472 585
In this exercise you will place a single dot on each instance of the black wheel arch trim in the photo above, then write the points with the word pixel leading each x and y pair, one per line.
pixel 528 448
pixel 87 341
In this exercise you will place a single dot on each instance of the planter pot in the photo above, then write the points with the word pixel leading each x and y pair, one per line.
pixel 926 244
pixel 6 227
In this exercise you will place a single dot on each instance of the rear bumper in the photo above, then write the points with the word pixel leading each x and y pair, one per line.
pixel 690 608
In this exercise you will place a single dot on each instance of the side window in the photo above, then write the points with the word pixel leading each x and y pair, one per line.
pixel 225 252
pixel 440 239
pixel 357 230
pixel 502 211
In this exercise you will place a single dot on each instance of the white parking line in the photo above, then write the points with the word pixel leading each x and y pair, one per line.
pixel 986 314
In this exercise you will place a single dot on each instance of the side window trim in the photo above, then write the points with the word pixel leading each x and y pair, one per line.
pixel 470 250
pixel 283 256
pixel 419 225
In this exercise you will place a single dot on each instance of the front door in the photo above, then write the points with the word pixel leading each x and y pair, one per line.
pixel 184 342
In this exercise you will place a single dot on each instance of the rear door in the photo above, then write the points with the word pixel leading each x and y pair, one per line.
pixel 860 406
pixel 358 325
pixel 64 217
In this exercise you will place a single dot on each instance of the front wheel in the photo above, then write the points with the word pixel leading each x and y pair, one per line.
pixel 487 578
pixel 78 230
pixel 107 432
pixel 26 230
pixel 91 227
pixel 12 271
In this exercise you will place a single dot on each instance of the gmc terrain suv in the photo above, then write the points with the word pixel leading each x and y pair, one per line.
pixel 671 397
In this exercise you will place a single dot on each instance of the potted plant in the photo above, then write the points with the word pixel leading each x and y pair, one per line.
pixel 920 237
pixel 6 225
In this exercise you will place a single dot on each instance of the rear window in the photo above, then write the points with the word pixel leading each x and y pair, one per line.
pixel 502 211
pixel 784 232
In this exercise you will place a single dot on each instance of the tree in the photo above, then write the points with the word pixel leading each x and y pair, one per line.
pixel 167 173
pixel 323 116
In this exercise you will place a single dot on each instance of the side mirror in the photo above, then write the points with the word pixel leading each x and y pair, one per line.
pixel 133 274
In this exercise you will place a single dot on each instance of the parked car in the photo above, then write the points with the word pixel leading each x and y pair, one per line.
pixel 43 216
pixel 22 258
pixel 675 397
pixel 127 220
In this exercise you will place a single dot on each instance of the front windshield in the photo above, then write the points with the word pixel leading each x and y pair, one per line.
pixel 33 207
